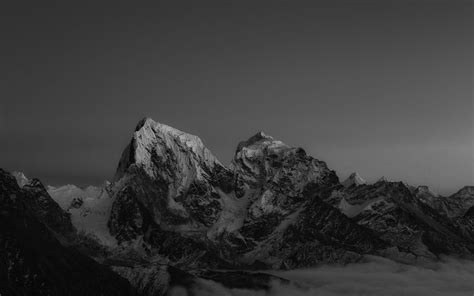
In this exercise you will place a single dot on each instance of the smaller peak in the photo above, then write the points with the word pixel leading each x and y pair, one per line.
pixel 382 179
pixel 354 179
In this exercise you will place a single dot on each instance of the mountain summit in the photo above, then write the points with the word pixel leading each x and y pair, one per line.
pixel 354 180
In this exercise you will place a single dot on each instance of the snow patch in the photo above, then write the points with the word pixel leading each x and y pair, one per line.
pixel 233 214
pixel 92 216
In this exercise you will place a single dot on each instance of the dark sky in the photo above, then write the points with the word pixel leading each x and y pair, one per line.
pixel 378 87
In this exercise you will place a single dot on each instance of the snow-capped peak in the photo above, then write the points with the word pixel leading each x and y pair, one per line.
pixel 153 140
pixel 354 180
pixel 159 129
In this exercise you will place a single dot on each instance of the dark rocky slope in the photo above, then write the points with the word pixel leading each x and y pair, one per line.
pixel 33 261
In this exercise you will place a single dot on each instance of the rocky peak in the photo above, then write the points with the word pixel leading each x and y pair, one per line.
pixel 154 143
pixel 166 176
pixel 267 164
pixel 354 180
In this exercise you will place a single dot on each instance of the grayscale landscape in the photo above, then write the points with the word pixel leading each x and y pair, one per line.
pixel 265 148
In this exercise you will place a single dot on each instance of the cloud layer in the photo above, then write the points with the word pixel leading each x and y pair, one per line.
pixel 378 276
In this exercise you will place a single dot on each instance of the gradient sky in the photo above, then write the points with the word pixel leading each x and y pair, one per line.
pixel 384 88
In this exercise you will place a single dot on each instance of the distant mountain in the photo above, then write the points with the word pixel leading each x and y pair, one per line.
pixel 404 219
pixel 173 211
pixel 353 180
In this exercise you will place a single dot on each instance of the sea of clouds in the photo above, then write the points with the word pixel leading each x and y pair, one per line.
pixel 377 276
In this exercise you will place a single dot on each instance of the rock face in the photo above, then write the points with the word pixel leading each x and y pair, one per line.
pixel 33 261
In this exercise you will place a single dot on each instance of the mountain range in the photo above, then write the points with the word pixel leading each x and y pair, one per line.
pixel 175 216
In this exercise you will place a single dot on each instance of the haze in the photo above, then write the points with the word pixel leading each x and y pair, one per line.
pixel 383 88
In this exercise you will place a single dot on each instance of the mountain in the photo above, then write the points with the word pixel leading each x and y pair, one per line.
pixel 175 215
pixel 169 178
pixel 353 180
pixel 173 194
